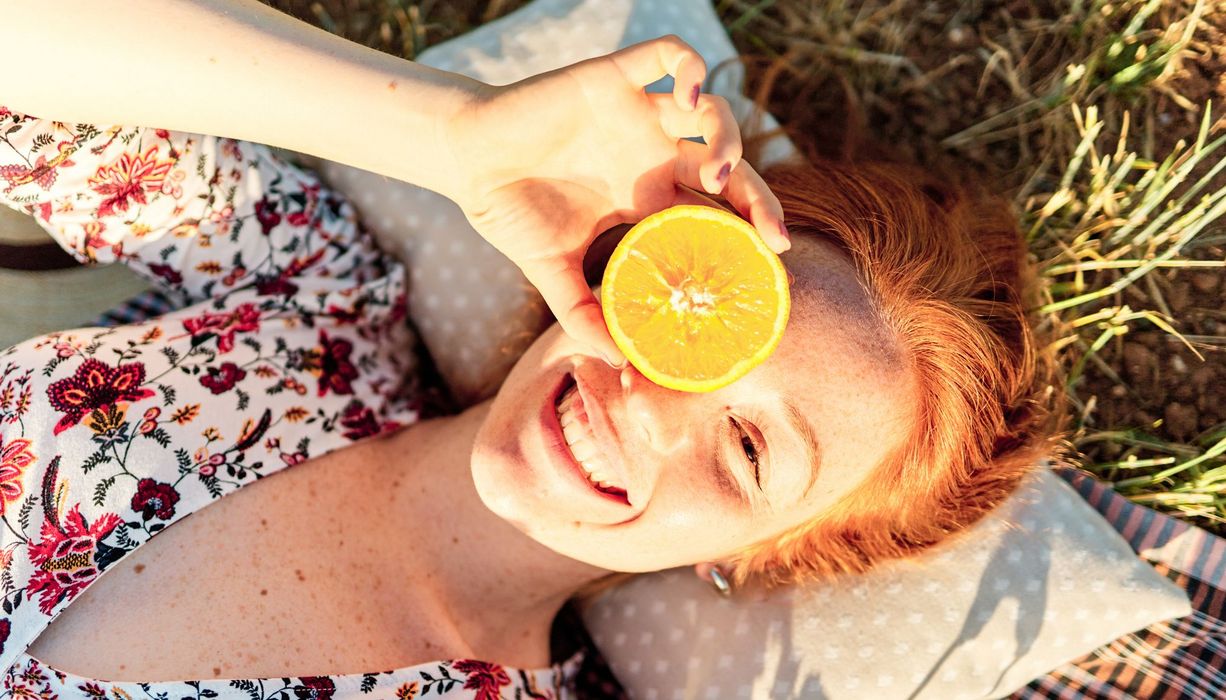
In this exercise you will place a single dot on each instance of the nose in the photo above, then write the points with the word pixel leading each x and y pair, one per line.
pixel 654 410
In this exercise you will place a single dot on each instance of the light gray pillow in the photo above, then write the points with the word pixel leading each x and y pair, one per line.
pixel 1041 581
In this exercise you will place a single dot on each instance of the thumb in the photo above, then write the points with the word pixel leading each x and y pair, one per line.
pixel 561 282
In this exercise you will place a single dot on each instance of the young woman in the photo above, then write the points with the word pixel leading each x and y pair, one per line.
pixel 901 404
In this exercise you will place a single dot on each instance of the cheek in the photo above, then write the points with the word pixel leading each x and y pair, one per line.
pixel 687 523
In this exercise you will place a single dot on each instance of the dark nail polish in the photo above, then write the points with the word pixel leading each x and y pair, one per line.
pixel 694 97
pixel 724 172
pixel 783 228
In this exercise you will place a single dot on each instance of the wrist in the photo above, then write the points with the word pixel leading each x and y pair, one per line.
pixel 456 125
pixel 467 140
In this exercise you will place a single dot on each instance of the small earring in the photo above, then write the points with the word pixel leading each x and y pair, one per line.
pixel 720 582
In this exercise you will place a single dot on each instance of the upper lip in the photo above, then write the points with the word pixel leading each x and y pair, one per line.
pixel 605 434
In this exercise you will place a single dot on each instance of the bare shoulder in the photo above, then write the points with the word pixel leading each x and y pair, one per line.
pixel 290 576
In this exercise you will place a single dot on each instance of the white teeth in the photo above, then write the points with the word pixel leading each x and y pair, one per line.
pixel 572 430
pixel 583 450
pixel 582 445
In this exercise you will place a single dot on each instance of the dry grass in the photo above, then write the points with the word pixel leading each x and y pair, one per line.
pixel 1091 113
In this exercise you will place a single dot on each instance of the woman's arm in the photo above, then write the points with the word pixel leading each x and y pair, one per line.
pixel 540 167
pixel 231 68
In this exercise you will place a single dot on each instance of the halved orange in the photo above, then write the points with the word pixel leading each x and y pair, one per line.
pixel 694 298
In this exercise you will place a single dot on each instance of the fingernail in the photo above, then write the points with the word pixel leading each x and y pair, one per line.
pixel 783 228
pixel 722 177
pixel 694 97
pixel 612 363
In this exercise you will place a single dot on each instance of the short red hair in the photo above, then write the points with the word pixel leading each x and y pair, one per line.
pixel 947 272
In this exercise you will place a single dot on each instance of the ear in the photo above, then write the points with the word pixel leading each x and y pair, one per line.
pixel 703 570
pixel 713 574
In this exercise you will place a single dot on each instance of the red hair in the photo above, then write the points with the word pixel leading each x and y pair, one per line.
pixel 947 272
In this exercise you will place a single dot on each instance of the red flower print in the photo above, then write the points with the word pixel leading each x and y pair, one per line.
pixel 129 178
pixel 347 316
pixel 278 285
pixel 95 386
pixel 18 175
pixel 155 500
pixel 5 628
pixel 334 368
pixel 29 684
pixel 315 688
pixel 92 690
pixel 266 214
pixel 244 319
pixel 483 677
pixel 63 559
pixel 167 273
pixel 14 458
pixel 360 421
pixel 221 379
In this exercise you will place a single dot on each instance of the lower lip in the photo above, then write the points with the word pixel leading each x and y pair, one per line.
pixel 557 442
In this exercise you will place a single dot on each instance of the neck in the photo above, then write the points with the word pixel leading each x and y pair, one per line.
pixel 500 588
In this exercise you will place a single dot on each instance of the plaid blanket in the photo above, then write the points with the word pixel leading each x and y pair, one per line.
pixel 1182 659
pixel 1173 660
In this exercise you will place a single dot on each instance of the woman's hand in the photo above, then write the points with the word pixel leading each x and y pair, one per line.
pixel 546 164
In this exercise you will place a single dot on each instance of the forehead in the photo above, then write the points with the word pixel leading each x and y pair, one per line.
pixel 833 315
pixel 842 366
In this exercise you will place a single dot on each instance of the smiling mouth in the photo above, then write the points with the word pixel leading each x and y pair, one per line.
pixel 581 443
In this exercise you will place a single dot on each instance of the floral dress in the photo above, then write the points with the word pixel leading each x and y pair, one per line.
pixel 293 342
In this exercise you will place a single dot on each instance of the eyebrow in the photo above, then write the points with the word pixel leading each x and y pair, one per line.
pixel 801 425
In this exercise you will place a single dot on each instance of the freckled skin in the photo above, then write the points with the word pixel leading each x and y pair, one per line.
pixel 337 602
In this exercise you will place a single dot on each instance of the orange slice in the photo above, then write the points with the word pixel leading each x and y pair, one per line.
pixel 694 298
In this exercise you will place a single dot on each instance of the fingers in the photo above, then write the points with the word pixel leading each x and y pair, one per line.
pixel 714 122
pixel 745 191
pixel 645 63
pixel 571 300
pixel 685 195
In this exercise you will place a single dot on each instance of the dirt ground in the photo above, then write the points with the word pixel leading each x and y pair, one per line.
pixel 1170 392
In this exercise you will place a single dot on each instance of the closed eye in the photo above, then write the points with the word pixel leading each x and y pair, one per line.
pixel 751 451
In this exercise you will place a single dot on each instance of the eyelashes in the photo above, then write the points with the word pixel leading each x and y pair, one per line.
pixel 748 449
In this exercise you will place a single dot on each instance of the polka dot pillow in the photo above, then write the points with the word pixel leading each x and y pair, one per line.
pixel 1001 605
pixel 1042 581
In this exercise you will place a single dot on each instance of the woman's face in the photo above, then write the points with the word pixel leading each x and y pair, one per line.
pixel 818 416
